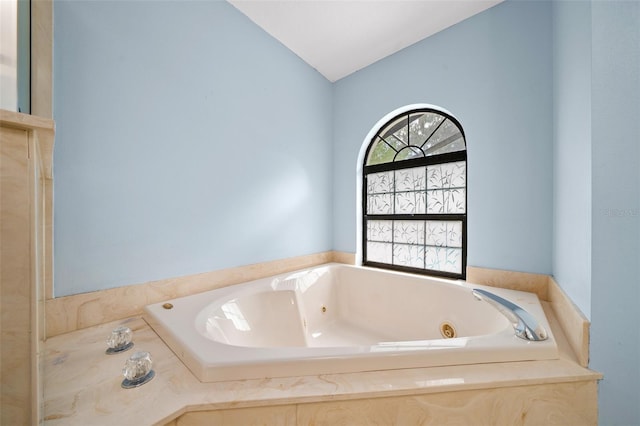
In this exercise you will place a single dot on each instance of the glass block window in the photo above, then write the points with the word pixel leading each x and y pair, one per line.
pixel 415 195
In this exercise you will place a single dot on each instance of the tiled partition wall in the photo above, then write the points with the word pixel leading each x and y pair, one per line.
pixel 26 144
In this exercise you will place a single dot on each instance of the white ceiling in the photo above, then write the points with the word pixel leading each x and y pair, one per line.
pixel 339 37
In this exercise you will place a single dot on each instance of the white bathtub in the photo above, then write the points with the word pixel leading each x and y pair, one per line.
pixel 337 318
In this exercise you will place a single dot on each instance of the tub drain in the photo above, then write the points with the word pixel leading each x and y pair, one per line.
pixel 447 330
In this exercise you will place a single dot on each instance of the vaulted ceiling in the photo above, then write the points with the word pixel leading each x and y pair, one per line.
pixel 339 37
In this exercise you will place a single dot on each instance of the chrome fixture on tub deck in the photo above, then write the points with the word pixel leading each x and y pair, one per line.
pixel 525 326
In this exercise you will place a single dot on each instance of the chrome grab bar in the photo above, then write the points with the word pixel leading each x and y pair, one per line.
pixel 524 324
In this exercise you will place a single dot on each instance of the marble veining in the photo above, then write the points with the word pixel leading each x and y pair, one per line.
pixel 26 145
pixel 70 313
pixel 82 384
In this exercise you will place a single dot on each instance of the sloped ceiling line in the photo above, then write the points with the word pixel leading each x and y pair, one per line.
pixel 340 37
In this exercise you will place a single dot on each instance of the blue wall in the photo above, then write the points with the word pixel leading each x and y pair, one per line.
pixel 494 73
pixel 615 288
pixel 572 150
pixel 597 187
pixel 187 141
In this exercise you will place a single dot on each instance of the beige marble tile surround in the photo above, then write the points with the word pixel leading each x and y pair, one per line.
pixel 571 319
pixel 520 405
pixel 70 313
pixel 15 278
pixel 26 145
pixel 82 386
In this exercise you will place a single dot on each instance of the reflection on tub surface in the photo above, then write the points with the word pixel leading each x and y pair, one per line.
pixel 338 318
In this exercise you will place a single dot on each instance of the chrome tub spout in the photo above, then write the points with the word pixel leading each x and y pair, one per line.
pixel 524 324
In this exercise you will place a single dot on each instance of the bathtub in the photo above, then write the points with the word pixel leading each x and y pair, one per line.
pixel 338 318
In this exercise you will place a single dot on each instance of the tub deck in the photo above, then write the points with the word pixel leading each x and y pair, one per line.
pixel 82 386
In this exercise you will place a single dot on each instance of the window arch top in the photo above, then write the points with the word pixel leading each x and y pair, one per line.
pixel 416 134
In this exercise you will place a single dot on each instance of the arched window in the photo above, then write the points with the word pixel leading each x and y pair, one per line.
pixel 414 195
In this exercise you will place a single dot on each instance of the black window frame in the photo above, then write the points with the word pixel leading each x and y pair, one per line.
pixel 429 160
